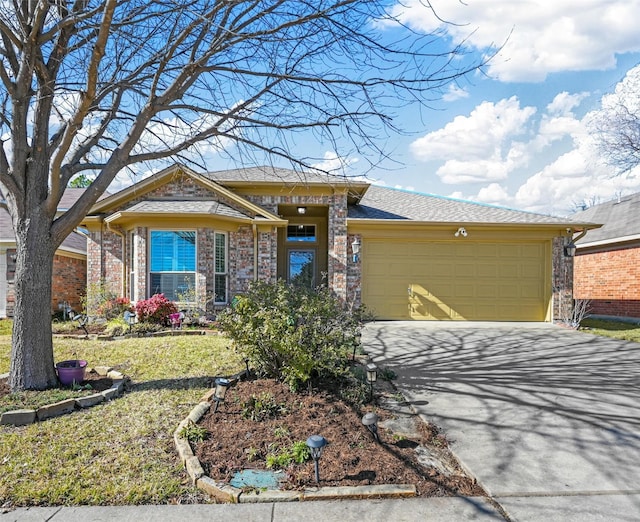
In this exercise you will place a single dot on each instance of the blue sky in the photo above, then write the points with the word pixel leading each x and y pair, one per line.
pixel 515 135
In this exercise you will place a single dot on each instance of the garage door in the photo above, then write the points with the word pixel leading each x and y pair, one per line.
pixel 454 280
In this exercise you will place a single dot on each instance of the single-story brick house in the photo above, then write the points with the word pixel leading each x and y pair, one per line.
pixel 607 262
pixel 205 237
pixel 69 263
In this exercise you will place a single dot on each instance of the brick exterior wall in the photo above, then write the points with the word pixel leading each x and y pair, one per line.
pixel 610 280
pixel 337 232
pixel 562 281
pixel 105 259
pixel 69 282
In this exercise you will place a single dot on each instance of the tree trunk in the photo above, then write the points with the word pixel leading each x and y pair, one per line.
pixel 32 366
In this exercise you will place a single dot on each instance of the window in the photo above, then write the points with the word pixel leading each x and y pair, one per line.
pixel 306 233
pixel 173 263
pixel 220 277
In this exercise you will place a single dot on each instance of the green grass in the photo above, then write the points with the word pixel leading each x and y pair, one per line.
pixel 119 452
pixel 5 326
pixel 614 329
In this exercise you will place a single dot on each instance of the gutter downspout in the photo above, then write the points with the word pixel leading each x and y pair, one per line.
pixel 580 236
pixel 255 251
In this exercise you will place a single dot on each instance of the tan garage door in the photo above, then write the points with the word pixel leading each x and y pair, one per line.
pixel 474 281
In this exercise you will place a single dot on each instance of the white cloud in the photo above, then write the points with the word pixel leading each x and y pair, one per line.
pixel 494 194
pixel 479 147
pixel 455 93
pixel 538 36
pixel 564 103
pixel 574 177
pixel 335 164
pixel 569 178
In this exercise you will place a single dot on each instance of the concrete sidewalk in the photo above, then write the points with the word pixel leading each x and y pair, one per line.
pixel 402 510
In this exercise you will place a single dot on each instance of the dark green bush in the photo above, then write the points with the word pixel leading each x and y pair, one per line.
pixel 292 333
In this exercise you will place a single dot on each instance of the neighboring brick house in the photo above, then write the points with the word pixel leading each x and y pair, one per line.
pixel 202 238
pixel 69 264
pixel 607 262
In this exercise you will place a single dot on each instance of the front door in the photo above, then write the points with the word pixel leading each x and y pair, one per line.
pixel 301 267
pixel 302 246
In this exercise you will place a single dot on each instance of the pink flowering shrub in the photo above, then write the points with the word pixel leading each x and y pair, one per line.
pixel 156 309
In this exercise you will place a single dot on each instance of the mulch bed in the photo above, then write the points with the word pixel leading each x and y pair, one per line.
pixel 352 457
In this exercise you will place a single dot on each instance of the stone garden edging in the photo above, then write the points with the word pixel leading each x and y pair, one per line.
pixel 24 417
pixel 226 493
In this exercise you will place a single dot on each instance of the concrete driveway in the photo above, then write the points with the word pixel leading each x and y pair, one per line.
pixel 546 418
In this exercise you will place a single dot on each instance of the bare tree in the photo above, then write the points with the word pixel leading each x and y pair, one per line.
pixel 616 126
pixel 96 86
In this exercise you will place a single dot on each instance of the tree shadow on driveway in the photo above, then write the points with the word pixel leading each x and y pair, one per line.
pixel 531 409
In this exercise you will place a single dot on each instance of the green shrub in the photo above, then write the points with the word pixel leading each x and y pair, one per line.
pixel 280 457
pixel 293 333
pixel 116 327
pixel 261 407
pixel 97 295
pixel 193 433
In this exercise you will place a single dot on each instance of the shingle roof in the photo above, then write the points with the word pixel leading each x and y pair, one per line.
pixel 70 196
pixel 393 204
pixel 620 218
pixel 186 207
pixel 265 174
pixel 75 241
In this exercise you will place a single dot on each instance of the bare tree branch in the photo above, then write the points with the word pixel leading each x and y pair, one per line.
pixel 98 86
pixel 616 126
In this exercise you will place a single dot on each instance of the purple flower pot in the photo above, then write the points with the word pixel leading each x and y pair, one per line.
pixel 71 371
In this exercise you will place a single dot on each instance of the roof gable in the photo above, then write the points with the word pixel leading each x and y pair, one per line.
pixel 244 208
pixel 620 219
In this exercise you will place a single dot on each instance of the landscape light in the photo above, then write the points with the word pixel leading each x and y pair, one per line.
pixel 316 444
pixel 370 420
pixel 221 390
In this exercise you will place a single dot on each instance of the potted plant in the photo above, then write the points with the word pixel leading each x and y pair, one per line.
pixel 71 371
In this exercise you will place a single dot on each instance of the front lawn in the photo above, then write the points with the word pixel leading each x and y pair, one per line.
pixel 119 452
pixel 614 329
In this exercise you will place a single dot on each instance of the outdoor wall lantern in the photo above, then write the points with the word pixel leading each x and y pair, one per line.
pixel 370 421
pixel 372 376
pixel 570 249
pixel 302 210
pixel 222 385
pixel 355 248
pixel 316 444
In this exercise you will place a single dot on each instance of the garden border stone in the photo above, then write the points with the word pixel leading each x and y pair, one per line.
pixel 24 417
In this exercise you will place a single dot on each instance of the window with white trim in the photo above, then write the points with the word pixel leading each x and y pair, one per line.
pixel 221 276
pixel 173 263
